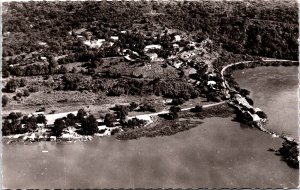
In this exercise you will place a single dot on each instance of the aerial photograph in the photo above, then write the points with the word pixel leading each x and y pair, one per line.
pixel 150 94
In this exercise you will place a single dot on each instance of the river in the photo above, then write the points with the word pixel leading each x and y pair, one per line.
pixel 218 153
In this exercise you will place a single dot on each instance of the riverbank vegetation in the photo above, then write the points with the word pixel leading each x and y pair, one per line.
pixel 154 54
pixel 185 120
pixel 289 153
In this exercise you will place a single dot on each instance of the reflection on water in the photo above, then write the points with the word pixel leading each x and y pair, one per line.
pixel 217 153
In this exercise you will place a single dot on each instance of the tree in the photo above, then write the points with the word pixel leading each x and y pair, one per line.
pixel 26 93
pixel 135 122
pixel 11 85
pixel 41 119
pixel 89 125
pixel 175 109
pixel 4 100
pixel 19 94
pixel 109 120
pixel 133 106
pixel 80 114
pixel 174 112
pixel 261 114
pixel 22 82
pixel 122 112
pixel 71 119
pixel 14 115
pixel 177 101
pixel 59 126
pixel 244 92
pixel 52 64
pixel 197 108
pixel 71 81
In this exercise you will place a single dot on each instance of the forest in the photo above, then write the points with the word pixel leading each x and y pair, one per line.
pixel 262 28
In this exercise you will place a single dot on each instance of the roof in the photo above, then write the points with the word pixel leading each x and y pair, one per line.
pixel 114 37
pixel 177 38
pixel 152 47
pixel 211 82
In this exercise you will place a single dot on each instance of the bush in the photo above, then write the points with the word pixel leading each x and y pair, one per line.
pixel 59 126
pixel 109 120
pixel 250 101
pixel 174 112
pixel 11 86
pixel 89 125
pixel 244 92
pixel 23 82
pixel 80 114
pixel 261 114
pixel 133 106
pixel 177 101
pixel 26 93
pixel 114 131
pixel 147 107
pixel 14 115
pixel 4 100
pixel 41 119
pixel 19 94
pixel 197 108
pixel 33 89
pixel 122 111
pixel 290 152
pixel 135 122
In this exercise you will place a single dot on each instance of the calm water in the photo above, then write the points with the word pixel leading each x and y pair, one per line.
pixel 275 91
pixel 218 153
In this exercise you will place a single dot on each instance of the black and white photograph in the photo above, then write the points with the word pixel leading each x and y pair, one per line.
pixel 145 94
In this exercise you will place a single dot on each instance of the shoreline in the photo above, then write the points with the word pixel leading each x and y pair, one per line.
pixel 34 137
pixel 254 64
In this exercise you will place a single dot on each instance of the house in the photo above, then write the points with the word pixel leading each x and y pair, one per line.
pixel 147 48
pixel 114 38
pixel 38 113
pixel 127 57
pixel 211 83
pixel 42 43
pixel 177 65
pixel 123 31
pixel 43 58
pixel 168 101
pixel 95 43
pixel 79 31
pixel 177 38
pixel 175 46
pixel 152 56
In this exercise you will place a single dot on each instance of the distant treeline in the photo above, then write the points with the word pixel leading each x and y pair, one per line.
pixel 263 28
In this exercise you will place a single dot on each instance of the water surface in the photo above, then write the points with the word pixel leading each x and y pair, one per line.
pixel 218 153
pixel 275 91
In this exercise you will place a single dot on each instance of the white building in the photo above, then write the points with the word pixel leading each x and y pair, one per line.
pixel 95 43
pixel 42 43
pixel 153 56
pixel 177 38
pixel 114 38
pixel 175 46
pixel 147 48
